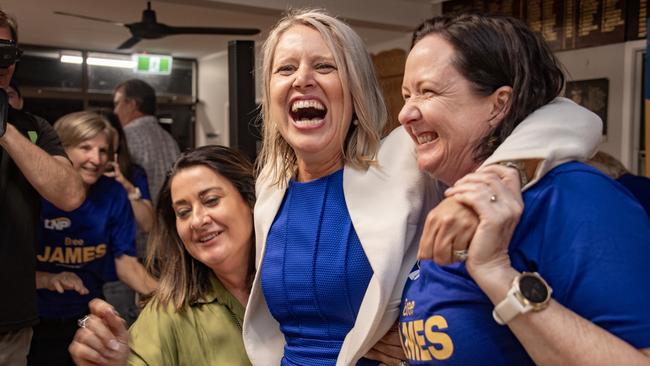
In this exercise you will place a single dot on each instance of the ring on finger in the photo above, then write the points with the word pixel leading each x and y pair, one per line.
pixel 460 255
pixel 82 323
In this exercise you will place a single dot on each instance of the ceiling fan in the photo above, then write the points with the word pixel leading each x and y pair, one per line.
pixel 149 28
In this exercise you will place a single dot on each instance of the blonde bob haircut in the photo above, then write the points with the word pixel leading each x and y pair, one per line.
pixel 357 74
pixel 77 127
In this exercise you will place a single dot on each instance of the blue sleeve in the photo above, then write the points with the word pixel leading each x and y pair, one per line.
pixel 140 180
pixel 122 225
pixel 595 252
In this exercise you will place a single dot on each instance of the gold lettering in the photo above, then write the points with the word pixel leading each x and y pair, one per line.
pixel 72 255
pixel 45 256
pixel 403 332
pixel 414 349
pixel 409 307
pixel 440 338
pixel 100 250
pixel 57 255
pixel 89 254
pixel 418 327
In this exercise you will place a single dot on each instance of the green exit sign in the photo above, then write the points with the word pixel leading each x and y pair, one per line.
pixel 153 64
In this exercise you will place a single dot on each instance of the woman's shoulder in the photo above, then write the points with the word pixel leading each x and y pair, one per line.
pixel 577 176
pixel 581 193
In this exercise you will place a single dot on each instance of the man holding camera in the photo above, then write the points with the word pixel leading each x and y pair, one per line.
pixel 32 164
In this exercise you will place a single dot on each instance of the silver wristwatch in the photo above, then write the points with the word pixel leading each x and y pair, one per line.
pixel 529 292
pixel 521 169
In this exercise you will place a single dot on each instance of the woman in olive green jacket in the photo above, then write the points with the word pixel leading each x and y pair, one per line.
pixel 201 250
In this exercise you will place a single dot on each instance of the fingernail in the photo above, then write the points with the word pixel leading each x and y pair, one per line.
pixel 115 312
pixel 114 345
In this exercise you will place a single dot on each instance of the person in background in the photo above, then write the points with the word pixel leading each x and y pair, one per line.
pixel 134 180
pixel 338 211
pixel 33 164
pixel 150 145
pixel 638 185
pixel 556 277
pixel 203 245
pixel 80 250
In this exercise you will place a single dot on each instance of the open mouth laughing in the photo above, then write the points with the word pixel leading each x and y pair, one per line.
pixel 307 113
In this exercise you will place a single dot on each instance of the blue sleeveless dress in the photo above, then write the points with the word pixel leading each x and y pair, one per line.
pixel 314 271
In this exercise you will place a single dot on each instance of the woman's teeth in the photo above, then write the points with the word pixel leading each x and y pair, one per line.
pixel 308 112
pixel 308 122
pixel 208 237
pixel 426 137
pixel 302 104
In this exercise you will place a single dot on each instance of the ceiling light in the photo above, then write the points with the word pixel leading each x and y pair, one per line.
pixel 69 59
pixel 109 62
pixel 98 61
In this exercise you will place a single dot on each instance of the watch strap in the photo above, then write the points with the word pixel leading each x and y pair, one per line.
pixel 521 169
pixel 509 308
pixel 135 195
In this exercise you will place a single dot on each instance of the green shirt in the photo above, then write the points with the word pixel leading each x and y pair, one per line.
pixel 208 332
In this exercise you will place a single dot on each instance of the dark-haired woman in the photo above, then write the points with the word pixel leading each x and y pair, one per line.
pixel 202 245
pixel 133 179
pixel 556 277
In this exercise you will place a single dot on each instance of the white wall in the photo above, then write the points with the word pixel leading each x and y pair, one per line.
pixel 212 109
pixel 616 63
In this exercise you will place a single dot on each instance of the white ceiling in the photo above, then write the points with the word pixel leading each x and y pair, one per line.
pixel 377 21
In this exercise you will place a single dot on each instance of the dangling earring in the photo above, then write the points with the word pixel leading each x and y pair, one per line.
pixel 355 122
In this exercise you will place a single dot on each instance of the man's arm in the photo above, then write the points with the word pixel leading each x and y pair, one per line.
pixel 52 176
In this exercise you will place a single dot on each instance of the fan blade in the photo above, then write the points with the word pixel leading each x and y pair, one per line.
pixel 88 18
pixel 129 43
pixel 212 30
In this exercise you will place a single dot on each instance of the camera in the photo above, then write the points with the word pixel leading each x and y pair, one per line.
pixel 9 53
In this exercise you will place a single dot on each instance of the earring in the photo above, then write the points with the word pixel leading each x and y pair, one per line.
pixel 355 122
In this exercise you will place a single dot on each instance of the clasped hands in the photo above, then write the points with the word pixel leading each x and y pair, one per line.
pixel 479 214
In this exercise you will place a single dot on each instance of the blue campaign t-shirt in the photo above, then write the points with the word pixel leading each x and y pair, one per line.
pixel 583 232
pixel 139 179
pixel 84 241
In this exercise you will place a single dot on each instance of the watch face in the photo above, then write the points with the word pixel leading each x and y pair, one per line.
pixel 533 289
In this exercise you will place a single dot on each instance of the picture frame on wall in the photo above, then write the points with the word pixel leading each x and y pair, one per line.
pixel 592 94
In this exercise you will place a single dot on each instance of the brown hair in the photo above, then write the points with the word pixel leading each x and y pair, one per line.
pixel 182 278
pixel 142 93
pixel 608 165
pixel 8 21
pixel 496 51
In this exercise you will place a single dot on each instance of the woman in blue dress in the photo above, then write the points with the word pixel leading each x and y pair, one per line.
pixel 338 211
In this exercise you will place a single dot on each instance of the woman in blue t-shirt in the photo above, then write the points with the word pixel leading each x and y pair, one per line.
pixel 563 281
pixel 78 251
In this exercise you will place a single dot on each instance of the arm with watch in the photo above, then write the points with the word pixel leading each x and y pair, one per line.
pixel 142 206
pixel 587 318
